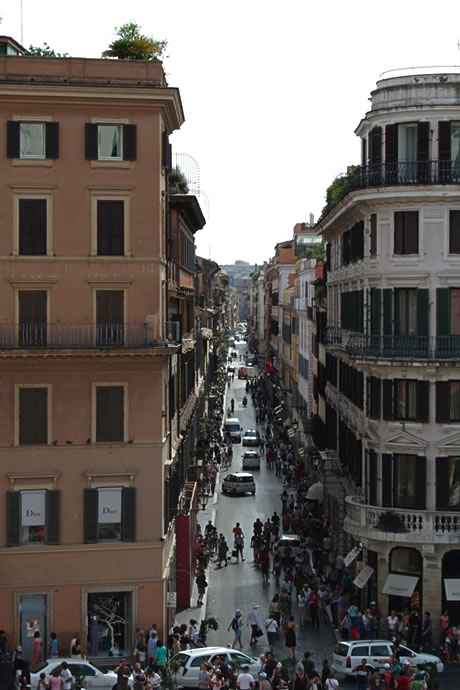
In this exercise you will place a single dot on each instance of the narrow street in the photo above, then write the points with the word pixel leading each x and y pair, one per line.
pixel 240 584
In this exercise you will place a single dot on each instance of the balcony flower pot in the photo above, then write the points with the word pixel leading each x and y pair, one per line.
pixel 391 522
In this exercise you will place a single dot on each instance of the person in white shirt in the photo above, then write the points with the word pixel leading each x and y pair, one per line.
pixel 66 676
pixel 271 626
pixel 392 623
pixel 253 620
pixel 301 605
pixel 245 681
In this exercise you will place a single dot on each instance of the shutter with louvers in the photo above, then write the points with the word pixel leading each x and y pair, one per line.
pixel 442 402
pixel 411 232
pixel 376 299
pixel 376 151
pixel 32 327
pixel 32 227
pixel 442 484
pixel 13 518
pixel 376 395
pixel 167 152
pixel 422 311
pixel 423 141
pixel 128 514
pixel 53 516
pixel 129 142
pixel 423 401
pixel 454 232
pixel 420 482
pixel 33 416
pixel 444 141
pixel 373 235
pixel 90 141
pixel 398 232
pixel 387 480
pixel 372 477
pixel 12 139
pixel 388 311
pixel 91 512
pixel 109 414
pixel 364 151
pixel 52 140
pixel 387 386
pixel 391 144
pixel 442 311
pixel 110 227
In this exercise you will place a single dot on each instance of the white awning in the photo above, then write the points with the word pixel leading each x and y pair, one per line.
pixel 350 557
pixel 315 492
pixel 400 585
pixel 363 576
pixel 452 588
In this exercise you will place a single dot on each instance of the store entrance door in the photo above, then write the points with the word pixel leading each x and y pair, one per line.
pixel 32 617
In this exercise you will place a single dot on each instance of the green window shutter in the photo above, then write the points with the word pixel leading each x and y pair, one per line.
pixel 372 477
pixel 12 139
pixel 376 309
pixel 442 311
pixel 360 311
pixel 387 386
pixel 53 506
pixel 13 518
pixel 387 480
pixel 91 508
pixel 388 311
pixel 423 401
pixel 442 402
pixel 420 482
pixel 422 311
pixel 442 483
pixel 128 514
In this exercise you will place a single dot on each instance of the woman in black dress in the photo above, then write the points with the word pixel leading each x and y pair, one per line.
pixel 291 639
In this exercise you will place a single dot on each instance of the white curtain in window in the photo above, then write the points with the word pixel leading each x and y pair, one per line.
pixel 109 141
pixel 31 135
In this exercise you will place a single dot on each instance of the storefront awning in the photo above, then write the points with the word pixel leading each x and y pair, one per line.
pixel 363 576
pixel 351 555
pixel 452 587
pixel 400 585
pixel 315 492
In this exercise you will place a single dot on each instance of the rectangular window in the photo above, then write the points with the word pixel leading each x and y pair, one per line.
pixel 373 235
pixel 32 227
pixel 32 140
pixel 110 317
pixel 406 311
pixel 406 232
pixel 33 517
pixel 454 311
pixel 453 485
pixel 454 232
pixel 110 414
pixel 455 150
pixel 109 514
pixel 405 399
pixel 110 227
pixel 405 481
pixel 33 416
pixel 32 321
pixel 110 142
pixel 407 152
pixel 454 401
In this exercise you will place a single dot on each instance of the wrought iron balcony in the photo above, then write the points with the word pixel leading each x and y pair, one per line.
pixel 423 526
pixel 404 172
pixel 81 336
pixel 440 347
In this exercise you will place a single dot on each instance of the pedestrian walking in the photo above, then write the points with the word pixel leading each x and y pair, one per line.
pixel 222 550
pixel 239 546
pixel 291 637
pixel 254 622
pixel 201 584
pixel 271 626
pixel 236 625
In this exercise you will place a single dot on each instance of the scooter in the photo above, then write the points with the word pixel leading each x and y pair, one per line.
pixel 245 401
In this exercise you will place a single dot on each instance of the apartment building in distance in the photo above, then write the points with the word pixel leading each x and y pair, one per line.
pixel 94 374
pixel 393 312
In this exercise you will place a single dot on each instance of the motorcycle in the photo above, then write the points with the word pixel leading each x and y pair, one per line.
pixel 245 401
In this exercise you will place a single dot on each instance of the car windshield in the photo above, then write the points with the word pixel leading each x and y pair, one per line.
pixel 246 479
pixel 36 668
pixel 232 427
pixel 251 433
pixel 181 659
pixel 341 649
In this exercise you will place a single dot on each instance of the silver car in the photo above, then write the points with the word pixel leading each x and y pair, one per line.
pixel 190 661
pixel 238 483
pixel 347 656
pixel 95 679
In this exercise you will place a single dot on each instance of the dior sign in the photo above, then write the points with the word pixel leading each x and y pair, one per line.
pixel 33 508
pixel 109 509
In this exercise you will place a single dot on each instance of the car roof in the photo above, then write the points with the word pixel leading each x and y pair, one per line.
pixel 242 474
pixel 251 431
pixel 288 537
pixel 205 651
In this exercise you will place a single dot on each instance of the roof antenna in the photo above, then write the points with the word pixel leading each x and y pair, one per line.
pixel 22 28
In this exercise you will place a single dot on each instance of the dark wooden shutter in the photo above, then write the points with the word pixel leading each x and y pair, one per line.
pixel 109 414
pixel 442 483
pixel 444 141
pixel 387 480
pixel 13 518
pixel 91 515
pixel 33 416
pixel 166 152
pixel 387 386
pixel 12 139
pixel 364 151
pixel 52 140
pixel 420 482
pixel 388 311
pixel 376 147
pixel 423 401
pixel 454 232
pixel 376 310
pixel 373 235
pixel 53 516
pixel 376 396
pixel 423 141
pixel 32 227
pixel 372 477
pixel 391 144
pixel 128 514
pixel 90 141
pixel 422 311
pixel 110 306
pixel 32 307
pixel 411 232
pixel 110 227
pixel 399 232
pixel 442 402
pixel 443 311
pixel 129 142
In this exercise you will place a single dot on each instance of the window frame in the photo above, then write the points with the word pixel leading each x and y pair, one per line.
pixel 112 162
pixel 124 195
pixel 108 384
pixel 30 193
pixel 41 156
pixel 408 384
pixel 17 388
pixel 451 213
pixel 403 240
pixel 119 126
pixel 45 161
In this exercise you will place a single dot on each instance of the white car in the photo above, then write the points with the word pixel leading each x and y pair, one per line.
pixel 293 541
pixel 95 679
pixel 347 656
pixel 251 460
pixel 238 483
pixel 191 659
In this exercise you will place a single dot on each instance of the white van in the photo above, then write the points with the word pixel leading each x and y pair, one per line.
pixel 233 427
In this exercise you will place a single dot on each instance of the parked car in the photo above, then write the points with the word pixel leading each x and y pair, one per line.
pixel 232 426
pixel 251 438
pixel 230 369
pixel 292 541
pixel 251 359
pixel 191 659
pixel 347 656
pixel 251 460
pixel 95 679
pixel 238 483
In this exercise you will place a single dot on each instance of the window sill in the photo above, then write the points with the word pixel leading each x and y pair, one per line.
pixel 111 164
pixel 100 479
pixel 34 162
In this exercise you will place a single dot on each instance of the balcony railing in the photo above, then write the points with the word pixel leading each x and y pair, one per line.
pixel 89 335
pixel 404 347
pixel 418 525
pixel 404 172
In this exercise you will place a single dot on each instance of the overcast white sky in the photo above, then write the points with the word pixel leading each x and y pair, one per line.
pixel 272 91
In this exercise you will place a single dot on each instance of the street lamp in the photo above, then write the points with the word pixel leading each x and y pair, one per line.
pixel 203 498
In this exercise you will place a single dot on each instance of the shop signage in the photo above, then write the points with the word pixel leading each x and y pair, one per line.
pixel 400 585
pixel 350 557
pixel 452 587
pixel 363 576
pixel 171 598
pixel 32 508
pixel 109 506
